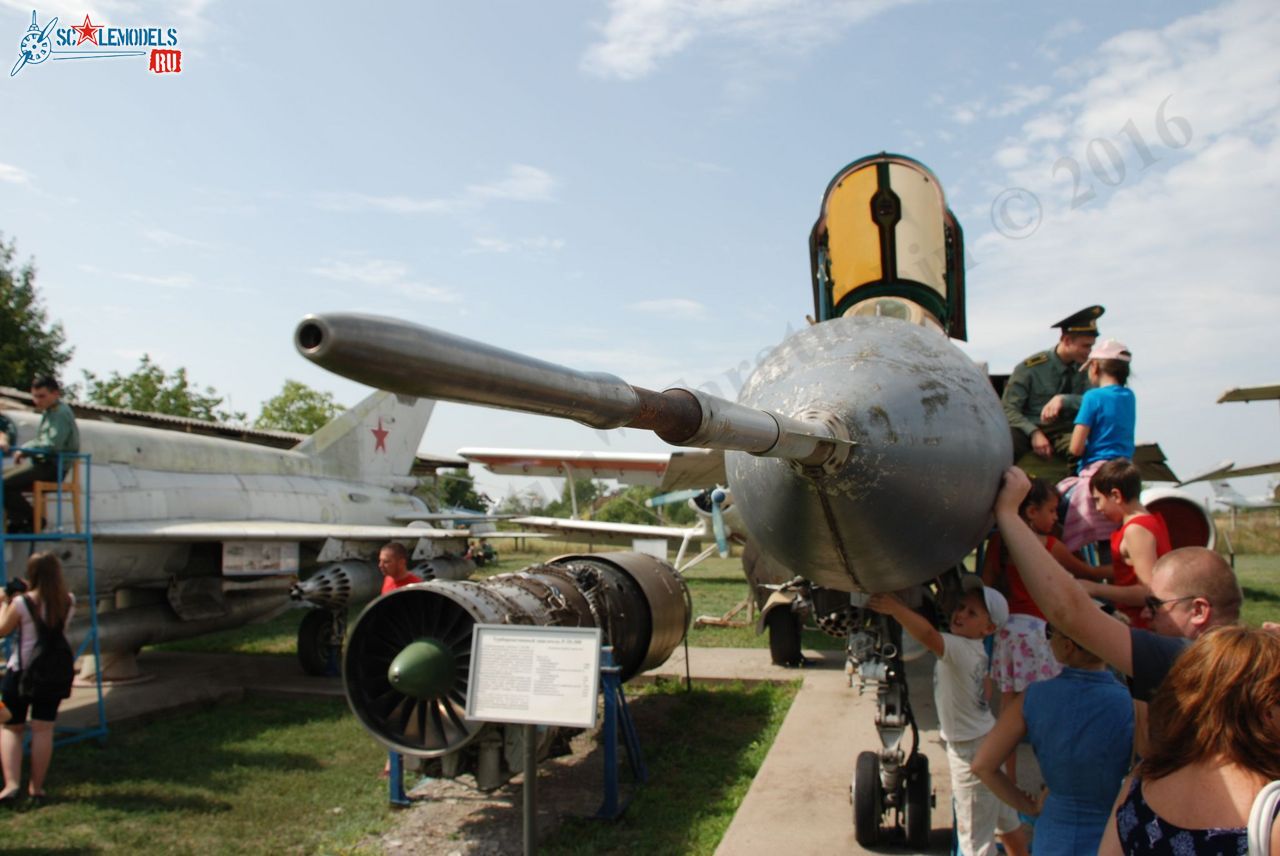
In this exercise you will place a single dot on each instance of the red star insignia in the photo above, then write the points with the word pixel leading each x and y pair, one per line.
pixel 88 31
pixel 379 437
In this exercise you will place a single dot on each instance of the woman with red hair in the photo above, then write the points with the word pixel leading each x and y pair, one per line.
pixel 1214 743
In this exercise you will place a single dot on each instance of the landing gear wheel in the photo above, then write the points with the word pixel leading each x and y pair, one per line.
pixel 868 799
pixel 315 641
pixel 784 637
pixel 917 805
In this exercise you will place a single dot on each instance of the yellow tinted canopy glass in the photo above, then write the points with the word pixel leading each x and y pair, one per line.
pixel 885 230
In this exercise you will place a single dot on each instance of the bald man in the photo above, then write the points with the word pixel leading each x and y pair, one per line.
pixel 1192 590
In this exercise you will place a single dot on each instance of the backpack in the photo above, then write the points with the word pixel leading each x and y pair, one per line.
pixel 52 666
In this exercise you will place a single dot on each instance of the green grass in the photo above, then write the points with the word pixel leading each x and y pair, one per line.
pixel 260 776
pixel 1260 579
pixel 701 759
pixel 279 635
pixel 270 776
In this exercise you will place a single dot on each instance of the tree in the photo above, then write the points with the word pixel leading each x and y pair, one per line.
pixel 627 506
pixel 150 389
pixel 298 408
pixel 29 344
pixel 454 489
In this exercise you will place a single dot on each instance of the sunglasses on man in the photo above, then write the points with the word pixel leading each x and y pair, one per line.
pixel 1154 603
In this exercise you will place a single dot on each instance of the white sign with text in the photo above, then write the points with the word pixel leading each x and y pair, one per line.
pixel 534 675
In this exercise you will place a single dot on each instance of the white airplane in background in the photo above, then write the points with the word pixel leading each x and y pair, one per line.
pixel 694 472
pixel 194 534
pixel 1225 494
pixel 1228 469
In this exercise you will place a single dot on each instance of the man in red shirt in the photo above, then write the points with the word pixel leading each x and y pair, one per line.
pixel 393 561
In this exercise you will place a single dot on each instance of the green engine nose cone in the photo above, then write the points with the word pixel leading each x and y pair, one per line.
pixel 424 669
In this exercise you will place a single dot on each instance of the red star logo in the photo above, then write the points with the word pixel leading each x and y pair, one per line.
pixel 379 437
pixel 88 31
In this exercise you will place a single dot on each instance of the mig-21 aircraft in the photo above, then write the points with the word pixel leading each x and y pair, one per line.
pixel 193 534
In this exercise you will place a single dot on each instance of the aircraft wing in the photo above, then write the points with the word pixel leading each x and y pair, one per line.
pixel 694 468
pixel 1250 393
pixel 262 530
pixel 1228 469
pixel 1152 464
pixel 600 532
pixel 645 468
pixel 668 471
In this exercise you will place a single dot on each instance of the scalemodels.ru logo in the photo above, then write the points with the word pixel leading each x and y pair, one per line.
pixel 92 41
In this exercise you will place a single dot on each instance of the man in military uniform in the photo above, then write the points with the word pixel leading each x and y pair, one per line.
pixel 1043 393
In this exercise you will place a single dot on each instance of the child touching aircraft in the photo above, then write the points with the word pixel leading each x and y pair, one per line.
pixel 963 715
pixel 1021 654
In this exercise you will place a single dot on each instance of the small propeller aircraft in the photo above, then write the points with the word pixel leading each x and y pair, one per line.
pixel 194 534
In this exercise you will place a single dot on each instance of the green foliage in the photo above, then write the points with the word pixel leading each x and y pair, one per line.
pixel 529 501
pixel 29 344
pixel 150 389
pixel 298 408
pixel 627 506
pixel 454 489
pixel 586 490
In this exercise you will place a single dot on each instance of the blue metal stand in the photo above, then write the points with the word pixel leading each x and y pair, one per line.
pixel 99 731
pixel 615 714
pixel 396 794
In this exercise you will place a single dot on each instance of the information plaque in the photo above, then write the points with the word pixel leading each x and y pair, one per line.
pixel 534 675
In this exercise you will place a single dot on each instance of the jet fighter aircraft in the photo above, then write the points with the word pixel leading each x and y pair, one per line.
pixel 193 534
pixel 864 452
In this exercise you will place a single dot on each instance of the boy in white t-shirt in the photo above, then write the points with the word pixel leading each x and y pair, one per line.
pixel 959 691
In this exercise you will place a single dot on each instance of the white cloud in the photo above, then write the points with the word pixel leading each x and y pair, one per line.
pixel 384 275
pixel 639 34
pixel 177 280
pixel 165 238
pixel 670 307
pixel 522 183
pixel 539 245
pixel 13 174
pixel 1181 249
pixel 1019 98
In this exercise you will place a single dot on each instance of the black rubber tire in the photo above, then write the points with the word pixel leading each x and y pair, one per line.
pixel 917 808
pixel 315 639
pixel 784 637
pixel 867 799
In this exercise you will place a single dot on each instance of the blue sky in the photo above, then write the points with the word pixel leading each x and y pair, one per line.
pixel 628 186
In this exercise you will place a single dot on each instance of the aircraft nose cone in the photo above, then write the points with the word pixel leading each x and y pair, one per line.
pixel 424 669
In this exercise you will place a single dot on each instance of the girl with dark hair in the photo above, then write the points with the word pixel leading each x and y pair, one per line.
pixel 1214 743
pixel 49 597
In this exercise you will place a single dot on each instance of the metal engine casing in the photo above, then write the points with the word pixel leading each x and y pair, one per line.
pixel 915 494
pixel 640 603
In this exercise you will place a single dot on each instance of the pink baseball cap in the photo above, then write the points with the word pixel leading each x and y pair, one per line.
pixel 1110 349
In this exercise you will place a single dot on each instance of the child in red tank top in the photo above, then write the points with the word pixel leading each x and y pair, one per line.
pixel 1142 538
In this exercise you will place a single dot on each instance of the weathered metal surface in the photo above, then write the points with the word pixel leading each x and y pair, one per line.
pixel 639 602
pixel 915 494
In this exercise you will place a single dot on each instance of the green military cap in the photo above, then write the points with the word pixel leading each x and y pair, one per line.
pixel 1084 321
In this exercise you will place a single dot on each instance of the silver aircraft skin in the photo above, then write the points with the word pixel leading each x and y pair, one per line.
pixel 193 534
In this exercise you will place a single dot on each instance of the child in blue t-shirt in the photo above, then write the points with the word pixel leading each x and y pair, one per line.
pixel 1104 430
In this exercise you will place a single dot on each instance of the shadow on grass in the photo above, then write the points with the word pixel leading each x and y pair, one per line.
pixel 701 748
pixel 137 768
pixel 1256 594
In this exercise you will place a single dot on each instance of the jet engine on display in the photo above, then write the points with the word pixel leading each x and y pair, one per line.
pixel 406 662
